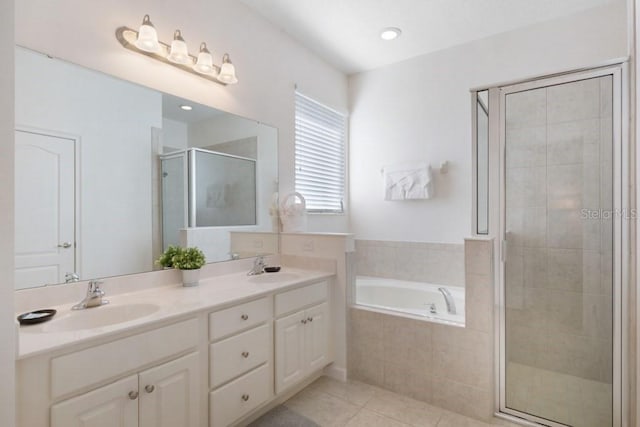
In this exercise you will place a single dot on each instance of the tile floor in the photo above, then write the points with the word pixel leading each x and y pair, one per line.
pixel 331 403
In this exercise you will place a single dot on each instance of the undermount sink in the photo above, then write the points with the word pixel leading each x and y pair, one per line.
pixel 97 317
pixel 273 277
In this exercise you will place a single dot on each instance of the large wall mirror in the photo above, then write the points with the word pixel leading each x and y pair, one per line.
pixel 109 173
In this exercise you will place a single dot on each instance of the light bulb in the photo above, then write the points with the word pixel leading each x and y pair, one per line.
pixel 147 36
pixel 179 53
pixel 204 64
pixel 390 33
pixel 227 71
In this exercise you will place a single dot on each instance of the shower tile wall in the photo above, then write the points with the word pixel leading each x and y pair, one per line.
pixel 558 269
pixel 448 366
pixel 438 263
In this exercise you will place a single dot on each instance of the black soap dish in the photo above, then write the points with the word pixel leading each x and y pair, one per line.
pixel 272 269
pixel 37 316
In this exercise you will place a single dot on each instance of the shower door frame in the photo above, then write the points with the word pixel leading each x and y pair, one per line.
pixel 621 180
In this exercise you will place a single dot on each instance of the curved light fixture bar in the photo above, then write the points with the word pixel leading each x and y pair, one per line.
pixel 128 39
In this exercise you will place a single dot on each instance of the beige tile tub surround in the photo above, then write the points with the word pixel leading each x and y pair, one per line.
pixel 439 263
pixel 447 366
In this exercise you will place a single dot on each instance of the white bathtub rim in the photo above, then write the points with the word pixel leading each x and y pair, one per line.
pixel 408 315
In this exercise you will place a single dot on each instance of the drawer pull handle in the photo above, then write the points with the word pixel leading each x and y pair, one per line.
pixel 310 319
pixel 149 388
pixel 245 397
pixel 133 395
pixel 245 354
pixel 304 321
pixel 244 317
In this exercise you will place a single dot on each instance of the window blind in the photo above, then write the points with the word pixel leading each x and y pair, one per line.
pixel 319 155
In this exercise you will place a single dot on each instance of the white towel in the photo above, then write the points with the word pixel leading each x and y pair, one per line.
pixel 407 182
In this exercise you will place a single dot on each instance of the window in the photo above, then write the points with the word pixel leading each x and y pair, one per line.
pixel 320 155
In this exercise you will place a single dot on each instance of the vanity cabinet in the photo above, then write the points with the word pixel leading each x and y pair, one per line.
pixel 166 395
pixel 212 368
pixel 240 360
pixel 301 338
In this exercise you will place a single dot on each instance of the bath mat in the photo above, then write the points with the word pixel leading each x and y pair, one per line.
pixel 281 416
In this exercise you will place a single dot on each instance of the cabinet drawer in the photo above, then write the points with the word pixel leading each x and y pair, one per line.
pixel 296 299
pixel 238 398
pixel 234 356
pixel 83 368
pixel 238 318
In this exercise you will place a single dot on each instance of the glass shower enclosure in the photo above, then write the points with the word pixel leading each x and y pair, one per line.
pixel 204 188
pixel 559 219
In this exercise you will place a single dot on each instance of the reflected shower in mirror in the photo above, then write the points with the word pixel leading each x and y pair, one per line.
pixel 94 196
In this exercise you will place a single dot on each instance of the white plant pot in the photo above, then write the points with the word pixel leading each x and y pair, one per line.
pixel 190 277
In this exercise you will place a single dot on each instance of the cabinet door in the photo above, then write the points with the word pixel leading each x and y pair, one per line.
pixel 316 337
pixel 290 357
pixel 169 394
pixel 114 405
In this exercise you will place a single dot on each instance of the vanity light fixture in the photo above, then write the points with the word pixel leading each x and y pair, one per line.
pixel 145 41
pixel 227 71
pixel 186 107
pixel 204 64
pixel 390 33
pixel 179 52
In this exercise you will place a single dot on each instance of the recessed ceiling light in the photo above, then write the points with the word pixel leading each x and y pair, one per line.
pixel 390 33
pixel 186 107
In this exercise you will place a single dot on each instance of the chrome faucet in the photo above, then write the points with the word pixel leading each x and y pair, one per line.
pixel 71 277
pixel 94 297
pixel 448 298
pixel 258 266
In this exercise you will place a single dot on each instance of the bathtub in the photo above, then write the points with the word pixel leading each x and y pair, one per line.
pixel 412 298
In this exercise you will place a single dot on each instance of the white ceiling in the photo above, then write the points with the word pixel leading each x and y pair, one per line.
pixel 171 110
pixel 346 32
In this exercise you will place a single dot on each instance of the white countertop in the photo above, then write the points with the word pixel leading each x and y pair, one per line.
pixel 212 294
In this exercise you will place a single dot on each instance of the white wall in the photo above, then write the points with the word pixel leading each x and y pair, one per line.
pixel 113 120
pixel 420 109
pixel 175 134
pixel 268 62
pixel 7 322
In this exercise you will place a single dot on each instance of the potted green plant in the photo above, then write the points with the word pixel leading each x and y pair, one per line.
pixel 187 260
pixel 166 259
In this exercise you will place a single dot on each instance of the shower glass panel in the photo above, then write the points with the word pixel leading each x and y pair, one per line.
pixel 558 274
pixel 482 162
pixel 223 189
pixel 174 196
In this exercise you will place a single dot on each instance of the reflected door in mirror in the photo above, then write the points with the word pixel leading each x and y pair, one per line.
pixel 44 208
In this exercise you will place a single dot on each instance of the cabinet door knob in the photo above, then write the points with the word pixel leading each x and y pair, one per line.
pixel 244 317
pixel 149 388
pixel 304 321
pixel 245 354
pixel 133 395
pixel 245 397
pixel 310 319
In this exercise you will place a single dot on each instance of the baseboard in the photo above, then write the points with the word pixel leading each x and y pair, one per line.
pixel 336 372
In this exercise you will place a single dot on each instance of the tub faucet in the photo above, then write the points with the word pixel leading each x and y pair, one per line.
pixel 448 298
pixel 93 297
pixel 258 266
